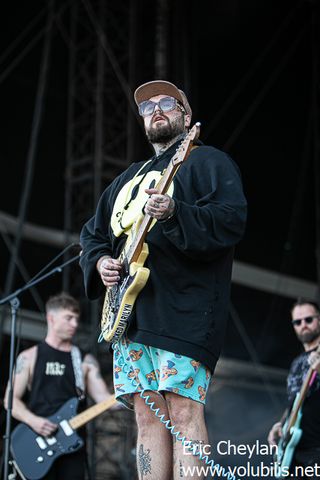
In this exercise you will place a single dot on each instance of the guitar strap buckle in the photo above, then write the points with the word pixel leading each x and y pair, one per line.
pixel 80 394
pixel 16 472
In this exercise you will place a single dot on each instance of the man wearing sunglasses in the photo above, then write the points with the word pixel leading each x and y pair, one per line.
pixel 173 342
pixel 306 323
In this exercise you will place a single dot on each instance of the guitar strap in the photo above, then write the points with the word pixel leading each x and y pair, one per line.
pixel 77 368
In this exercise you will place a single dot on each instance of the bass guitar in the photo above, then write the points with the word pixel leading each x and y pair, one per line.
pixel 291 431
pixel 33 455
pixel 120 299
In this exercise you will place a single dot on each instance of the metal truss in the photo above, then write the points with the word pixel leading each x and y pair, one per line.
pixel 99 124
pixel 97 106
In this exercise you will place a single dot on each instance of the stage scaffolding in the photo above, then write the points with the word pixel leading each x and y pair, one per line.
pixel 101 47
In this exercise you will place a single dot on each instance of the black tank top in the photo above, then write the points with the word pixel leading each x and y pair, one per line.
pixel 53 381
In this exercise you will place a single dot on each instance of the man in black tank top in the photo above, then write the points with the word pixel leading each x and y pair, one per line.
pixel 49 373
pixel 306 323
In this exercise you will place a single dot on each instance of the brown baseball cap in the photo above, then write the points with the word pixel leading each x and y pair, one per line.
pixel 161 87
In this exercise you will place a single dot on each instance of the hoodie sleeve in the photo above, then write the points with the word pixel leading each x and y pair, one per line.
pixel 216 220
pixel 95 242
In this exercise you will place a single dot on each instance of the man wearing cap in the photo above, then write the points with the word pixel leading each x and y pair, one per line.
pixel 173 342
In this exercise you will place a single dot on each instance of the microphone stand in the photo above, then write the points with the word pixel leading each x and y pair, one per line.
pixel 15 304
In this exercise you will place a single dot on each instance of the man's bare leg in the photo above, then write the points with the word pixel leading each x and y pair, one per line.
pixel 188 417
pixel 154 442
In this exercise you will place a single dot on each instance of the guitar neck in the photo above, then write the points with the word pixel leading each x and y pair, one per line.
pixel 162 187
pixel 92 412
pixel 136 245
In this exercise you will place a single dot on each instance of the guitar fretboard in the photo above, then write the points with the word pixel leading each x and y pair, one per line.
pixel 92 412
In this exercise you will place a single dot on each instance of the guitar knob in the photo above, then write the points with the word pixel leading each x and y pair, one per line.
pixel 40 459
pixel 50 453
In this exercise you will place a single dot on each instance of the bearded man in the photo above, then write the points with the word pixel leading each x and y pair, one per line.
pixel 171 347
pixel 306 323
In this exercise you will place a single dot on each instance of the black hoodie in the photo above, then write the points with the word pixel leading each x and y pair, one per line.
pixel 183 307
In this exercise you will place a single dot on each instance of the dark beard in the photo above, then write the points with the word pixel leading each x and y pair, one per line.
pixel 167 132
pixel 308 337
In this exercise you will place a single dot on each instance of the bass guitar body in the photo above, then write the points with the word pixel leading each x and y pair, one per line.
pixel 34 454
pixel 120 299
pixel 286 447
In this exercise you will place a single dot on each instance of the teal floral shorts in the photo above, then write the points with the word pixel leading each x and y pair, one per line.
pixel 138 367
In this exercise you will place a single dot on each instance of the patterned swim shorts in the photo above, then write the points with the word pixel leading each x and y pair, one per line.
pixel 138 367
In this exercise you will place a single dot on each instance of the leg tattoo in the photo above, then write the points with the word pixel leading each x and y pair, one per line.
pixel 144 460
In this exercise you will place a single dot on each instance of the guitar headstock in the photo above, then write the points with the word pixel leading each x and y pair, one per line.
pixel 183 148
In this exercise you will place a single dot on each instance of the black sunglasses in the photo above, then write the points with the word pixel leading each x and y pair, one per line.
pixel 297 322
pixel 166 104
